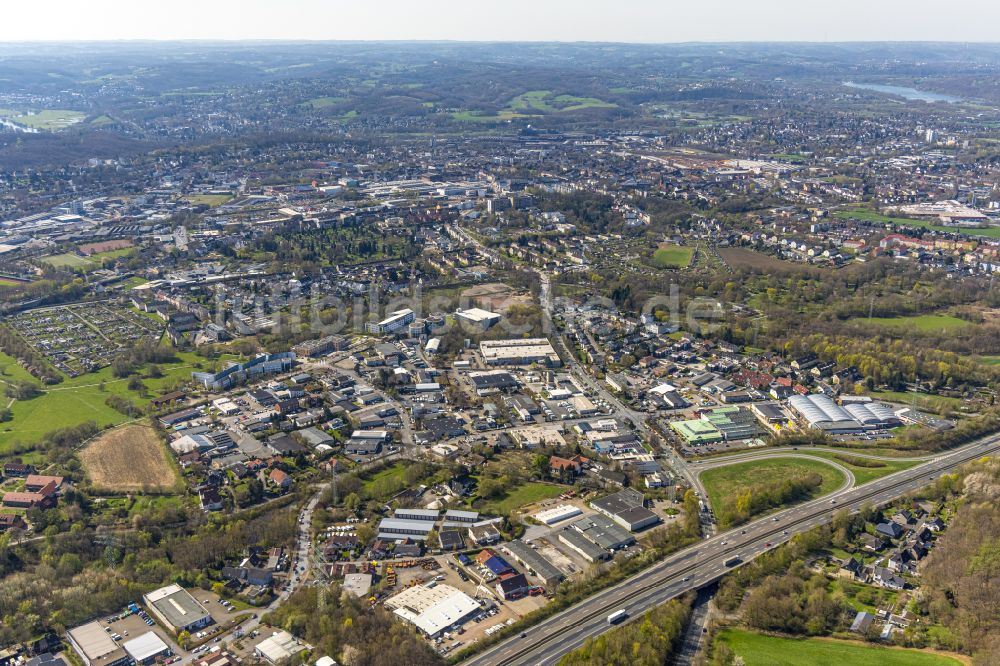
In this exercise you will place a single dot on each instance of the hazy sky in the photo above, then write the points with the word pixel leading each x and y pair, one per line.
pixel 521 20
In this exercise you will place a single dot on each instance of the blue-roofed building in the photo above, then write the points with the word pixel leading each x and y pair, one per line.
pixel 497 565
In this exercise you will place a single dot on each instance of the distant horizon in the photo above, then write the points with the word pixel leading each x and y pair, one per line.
pixel 653 22
pixel 403 40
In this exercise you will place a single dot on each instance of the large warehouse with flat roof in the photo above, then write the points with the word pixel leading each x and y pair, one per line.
pixel 95 646
pixel 433 609
pixel 519 352
pixel 177 609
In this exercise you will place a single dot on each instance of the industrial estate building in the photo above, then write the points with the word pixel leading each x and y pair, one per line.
pixel 279 647
pixel 595 537
pixel 724 424
pixel 477 318
pixel 95 646
pixel 177 609
pixel 531 559
pixel 627 508
pixel 820 412
pixel 146 648
pixel 519 352
pixel 433 609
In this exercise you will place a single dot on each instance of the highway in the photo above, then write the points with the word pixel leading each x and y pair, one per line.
pixel 703 563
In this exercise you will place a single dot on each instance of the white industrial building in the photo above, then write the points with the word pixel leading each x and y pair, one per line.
pixel 478 318
pixel 433 608
pixel 822 413
pixel 519 352
pixel 279 647
pixel 95 646
pixel 557 514
pixel 146 648
pixel 177 609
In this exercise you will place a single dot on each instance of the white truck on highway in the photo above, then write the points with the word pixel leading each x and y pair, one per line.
pixel 617 616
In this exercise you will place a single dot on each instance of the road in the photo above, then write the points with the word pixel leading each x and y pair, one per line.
pixel 636 418
pixel 703 563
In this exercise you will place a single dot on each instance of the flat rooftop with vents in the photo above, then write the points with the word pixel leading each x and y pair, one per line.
pixel 95 646
pixel 176 608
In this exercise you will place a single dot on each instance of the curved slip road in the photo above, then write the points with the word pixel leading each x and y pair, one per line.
pixel 698 565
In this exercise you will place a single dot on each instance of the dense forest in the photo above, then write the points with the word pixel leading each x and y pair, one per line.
pixel 961 587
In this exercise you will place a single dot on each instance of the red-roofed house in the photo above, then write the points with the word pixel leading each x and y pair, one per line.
pixel 280 479
pixel 35 482
pixel 574 464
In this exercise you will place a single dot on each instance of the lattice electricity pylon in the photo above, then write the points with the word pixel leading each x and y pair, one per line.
pixel 114 548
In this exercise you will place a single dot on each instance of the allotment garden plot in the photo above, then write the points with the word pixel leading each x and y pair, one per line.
pixel 83 337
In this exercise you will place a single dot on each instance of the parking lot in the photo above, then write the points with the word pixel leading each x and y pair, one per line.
pixel 132 625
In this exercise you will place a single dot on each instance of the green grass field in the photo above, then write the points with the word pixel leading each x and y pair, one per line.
pixel 10 371
pixel 533 103
pixel 47 119
pixel 929 403
pixel 544 101
pixel 872 216
pixel 396 470
pixel 80 399
pixel 863 474
pixel 923 323
pixel 729 481
pixel 4 282
pixel 522 495
pixel 73 261
pixel 672 257
pixel 760 650
pixel 134 281
pixel 479 117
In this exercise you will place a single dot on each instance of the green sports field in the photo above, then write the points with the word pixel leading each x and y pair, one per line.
pixel 760 650
pixel 672 257
pixel 73 261
pixel 923 323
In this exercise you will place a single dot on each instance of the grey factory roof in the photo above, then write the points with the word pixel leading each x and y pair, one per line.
pixel 524 554
pixel 176 605
pixel 603 531
pixel 588 548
